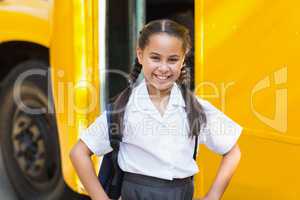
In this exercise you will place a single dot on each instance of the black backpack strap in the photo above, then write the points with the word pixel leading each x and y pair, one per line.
pixel 114 138
pixel 109 123
pixel 195 148
pixel 195 151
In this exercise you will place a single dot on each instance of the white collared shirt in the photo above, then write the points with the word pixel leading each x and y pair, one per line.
pixel 159 146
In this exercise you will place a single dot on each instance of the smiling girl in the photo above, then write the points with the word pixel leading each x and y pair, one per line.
pixel 161 121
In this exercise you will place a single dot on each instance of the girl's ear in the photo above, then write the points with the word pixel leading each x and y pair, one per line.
pixel 139 54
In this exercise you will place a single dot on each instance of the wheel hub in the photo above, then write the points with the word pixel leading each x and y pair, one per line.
pixel 29 146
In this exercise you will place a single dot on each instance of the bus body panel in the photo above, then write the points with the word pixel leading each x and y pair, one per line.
pixel 25 21
pixel 75 76
pixel 246 64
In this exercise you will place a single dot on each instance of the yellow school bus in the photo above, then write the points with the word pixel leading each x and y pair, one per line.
pixel 61 61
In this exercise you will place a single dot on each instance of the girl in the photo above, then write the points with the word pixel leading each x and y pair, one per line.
pixel 159 120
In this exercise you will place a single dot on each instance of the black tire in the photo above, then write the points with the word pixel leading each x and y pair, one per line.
pixel 29 141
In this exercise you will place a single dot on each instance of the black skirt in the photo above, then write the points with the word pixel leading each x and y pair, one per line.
pixel 141 187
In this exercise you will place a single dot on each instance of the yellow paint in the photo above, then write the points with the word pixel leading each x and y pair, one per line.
pixel 19 21
pixel 248 67
pixel 74 52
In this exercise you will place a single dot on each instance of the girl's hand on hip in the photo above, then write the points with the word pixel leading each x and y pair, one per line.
pixel 206 197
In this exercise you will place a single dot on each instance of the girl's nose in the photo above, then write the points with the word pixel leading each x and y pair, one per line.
pixel 163 67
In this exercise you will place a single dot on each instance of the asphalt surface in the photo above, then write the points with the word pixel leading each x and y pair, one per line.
pixel 6 190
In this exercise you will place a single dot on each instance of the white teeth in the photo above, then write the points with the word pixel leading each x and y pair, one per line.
pixel 162 77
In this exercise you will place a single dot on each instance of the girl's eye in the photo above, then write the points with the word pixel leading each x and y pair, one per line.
pixel 155 58
pixel 173 60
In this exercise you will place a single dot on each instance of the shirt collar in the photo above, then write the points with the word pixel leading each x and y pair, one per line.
pixel 140 98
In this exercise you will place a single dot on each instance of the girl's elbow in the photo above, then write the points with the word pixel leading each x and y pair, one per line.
pixel 73 153
pixel 79 150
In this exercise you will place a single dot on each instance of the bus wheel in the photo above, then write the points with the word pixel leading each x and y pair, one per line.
pixel 29 138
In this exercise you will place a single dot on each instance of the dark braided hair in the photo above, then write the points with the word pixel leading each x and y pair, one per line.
pixel 120 102
pixel 195 113
pixel 193 108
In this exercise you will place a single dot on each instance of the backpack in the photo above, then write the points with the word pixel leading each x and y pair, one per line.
pixel 110 174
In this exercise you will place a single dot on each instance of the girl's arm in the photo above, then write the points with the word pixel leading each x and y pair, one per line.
pixel 80 157
pixel 226 170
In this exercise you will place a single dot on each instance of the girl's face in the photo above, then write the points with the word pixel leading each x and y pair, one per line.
pixel 162 60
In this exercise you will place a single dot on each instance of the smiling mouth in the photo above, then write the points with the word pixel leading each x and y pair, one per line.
pixel 161 78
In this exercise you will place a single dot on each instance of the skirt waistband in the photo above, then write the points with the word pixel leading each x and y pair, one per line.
pixel 154 181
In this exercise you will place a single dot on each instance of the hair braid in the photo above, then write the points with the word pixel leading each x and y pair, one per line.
pixel 195 113
pixel 120 103
pixel 134 74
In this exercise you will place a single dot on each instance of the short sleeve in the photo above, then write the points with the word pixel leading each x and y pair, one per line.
pixel 220 133
pixel 95 136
